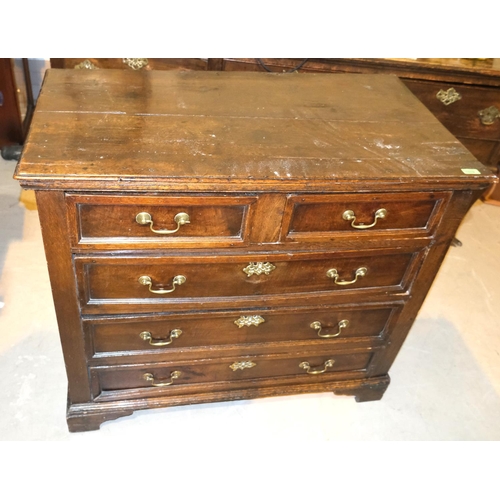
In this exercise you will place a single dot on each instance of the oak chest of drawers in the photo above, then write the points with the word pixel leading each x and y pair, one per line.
pixel 221 236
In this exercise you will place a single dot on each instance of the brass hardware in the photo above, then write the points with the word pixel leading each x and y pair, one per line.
pixel 144 218
pixel 348 215
pixel 306 366
pixel 249 321
pixel 449 96
pixel 241 365
pixel 150 378
pixel 135 62
pixel 489 115
pixel 259 268
pixel 86 65
pixel 316 325
pixel 147 281
pixel 174 334
pixel 332 273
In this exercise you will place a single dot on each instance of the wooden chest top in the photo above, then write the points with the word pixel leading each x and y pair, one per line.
pixel 117 130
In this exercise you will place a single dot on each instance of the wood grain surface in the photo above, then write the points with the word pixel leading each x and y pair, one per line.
pixel 139 129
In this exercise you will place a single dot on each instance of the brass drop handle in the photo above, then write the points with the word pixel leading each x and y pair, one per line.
pixel 316 325
pixel 147 281
pixel 489 115
pixel 174 334
pixel 144 218
pixel 333 273
pixel 150 378
pixel 312 371
pixel 349 215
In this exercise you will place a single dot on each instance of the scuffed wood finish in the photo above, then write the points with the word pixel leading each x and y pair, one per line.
pixel 265 166
pixel 202 131
pixel 477 80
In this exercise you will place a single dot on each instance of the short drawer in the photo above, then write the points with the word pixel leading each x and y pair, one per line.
pixel 313 217
pixel 460 111
pixel 184 333
pixel 158 221
pixel 129 381
pixel 134 284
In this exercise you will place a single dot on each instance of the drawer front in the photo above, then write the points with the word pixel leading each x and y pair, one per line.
pixel 189 376
pixel 177 333
pixel 139 283
pixel 312 217
pixel 461 117
pixel 487 152
pixel 149 221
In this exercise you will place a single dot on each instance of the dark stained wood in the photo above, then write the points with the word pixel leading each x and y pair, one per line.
pixel 215 64
pixel 119 63
pixel 460 203
pixel 121 336
pixel 110 284
pixel 487 152
pixel 265 165
pixel 477 80
pixel 130 378
pixel 201 130
pixel 11 123
pixel 15 114
pixel 461 118
pixel 52 213
pixel 372 391
pixel 265 223
pixel 466 71
pixel 89 416
pixel 321 216
pixel 111 220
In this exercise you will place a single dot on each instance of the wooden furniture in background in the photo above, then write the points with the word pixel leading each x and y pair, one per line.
pixel 217 236
pixel 16 102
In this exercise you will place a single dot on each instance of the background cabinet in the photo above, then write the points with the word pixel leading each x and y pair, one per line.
pixel 16 101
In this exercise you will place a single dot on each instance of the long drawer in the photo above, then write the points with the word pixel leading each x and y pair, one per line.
pixel 141 283
pixel 150 379
pixel 187 334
